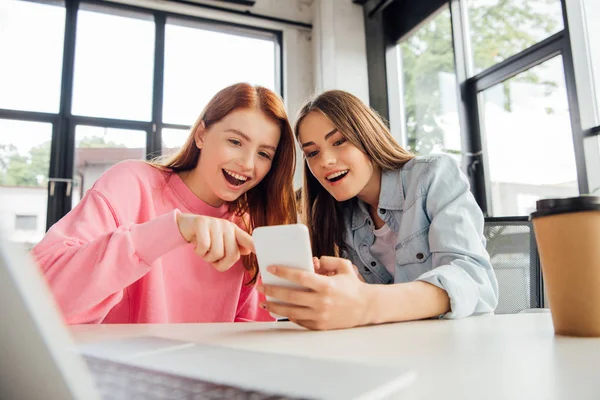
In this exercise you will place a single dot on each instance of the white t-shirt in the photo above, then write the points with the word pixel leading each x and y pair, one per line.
pixel 384 248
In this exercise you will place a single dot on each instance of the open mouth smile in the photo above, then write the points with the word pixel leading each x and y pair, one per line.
pixel 337 176
pixel 234 178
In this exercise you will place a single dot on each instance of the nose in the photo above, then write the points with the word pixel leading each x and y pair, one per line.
pixel 246 162
pixel 327 159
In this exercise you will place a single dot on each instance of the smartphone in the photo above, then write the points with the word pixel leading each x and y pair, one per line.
pixel 284 245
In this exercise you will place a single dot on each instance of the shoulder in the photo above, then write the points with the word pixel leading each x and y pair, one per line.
pixel 431 163
pixel 425 173
pixel 129 174
pixel 421 168
pixel 433 167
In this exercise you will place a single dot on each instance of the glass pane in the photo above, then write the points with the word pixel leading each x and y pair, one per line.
pixel 97 149
pixel 173 139
pixel 429 88
pixel 200 62
pixel 24 166
pixel 502 28
pixel 114 64
pixel 31 48
pixel 528 139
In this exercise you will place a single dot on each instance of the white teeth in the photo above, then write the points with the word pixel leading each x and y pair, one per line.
pixel 237 176
pixel 336 174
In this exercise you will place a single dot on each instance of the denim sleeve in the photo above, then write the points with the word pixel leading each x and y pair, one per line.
pixel 461 264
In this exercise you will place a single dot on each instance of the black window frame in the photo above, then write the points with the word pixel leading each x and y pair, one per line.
pixel 64 123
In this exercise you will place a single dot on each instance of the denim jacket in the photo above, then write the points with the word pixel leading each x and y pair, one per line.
pixel 439 230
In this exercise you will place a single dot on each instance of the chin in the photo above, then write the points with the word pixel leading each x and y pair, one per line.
pixel 229 198
pixel 342 196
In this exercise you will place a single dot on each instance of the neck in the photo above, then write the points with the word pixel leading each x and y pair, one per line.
pixel 194 180
pixel 370 193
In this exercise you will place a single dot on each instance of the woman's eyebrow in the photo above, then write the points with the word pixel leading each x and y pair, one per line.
pixel 327 136
pixel 238 132
pixel 268 146
pixel 247 138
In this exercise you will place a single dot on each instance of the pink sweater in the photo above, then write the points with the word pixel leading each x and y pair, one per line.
pixel 118 257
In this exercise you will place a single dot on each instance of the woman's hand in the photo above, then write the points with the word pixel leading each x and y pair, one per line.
pixel 217 241
pixel 328 272
pixel 334 300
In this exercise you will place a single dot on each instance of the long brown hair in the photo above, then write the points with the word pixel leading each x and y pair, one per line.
pixel 278 183
pixel 365 129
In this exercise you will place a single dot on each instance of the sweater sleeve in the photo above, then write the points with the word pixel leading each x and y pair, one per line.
pixel 89 258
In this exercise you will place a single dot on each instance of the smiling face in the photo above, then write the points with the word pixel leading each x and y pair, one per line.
pixel 341 168
pixel 236 154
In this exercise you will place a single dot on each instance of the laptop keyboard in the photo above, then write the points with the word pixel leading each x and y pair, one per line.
pixel 117 381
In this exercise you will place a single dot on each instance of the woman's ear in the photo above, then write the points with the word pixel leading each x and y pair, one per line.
pixel 200 134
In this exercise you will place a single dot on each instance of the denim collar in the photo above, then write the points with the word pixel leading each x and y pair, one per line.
pixel 391 197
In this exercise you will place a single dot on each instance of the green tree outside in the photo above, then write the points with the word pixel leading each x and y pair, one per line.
pixel 32 169
pixel 21 170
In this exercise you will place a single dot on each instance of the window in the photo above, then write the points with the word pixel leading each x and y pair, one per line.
pixel 528 140
pixel 502 28
pixel 202 59
pixel 26 222
pixel 114 63
pixel 429 88
pixel 24 153
pixel 24 165
pixel 30 70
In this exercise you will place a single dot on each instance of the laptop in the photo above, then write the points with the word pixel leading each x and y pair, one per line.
pixel 38 359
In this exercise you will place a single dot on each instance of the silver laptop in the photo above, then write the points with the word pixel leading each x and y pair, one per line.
pixel 38 359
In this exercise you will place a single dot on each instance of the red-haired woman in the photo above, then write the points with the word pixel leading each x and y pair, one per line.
pixel 168 241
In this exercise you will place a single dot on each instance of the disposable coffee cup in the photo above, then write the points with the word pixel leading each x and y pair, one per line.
pixel 567 233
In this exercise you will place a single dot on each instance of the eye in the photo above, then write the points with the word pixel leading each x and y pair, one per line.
pixel 235 142
pixel 264 155
pixel 312 154
pixel 340 142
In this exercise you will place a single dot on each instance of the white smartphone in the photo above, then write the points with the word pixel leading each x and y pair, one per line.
pixel 285 245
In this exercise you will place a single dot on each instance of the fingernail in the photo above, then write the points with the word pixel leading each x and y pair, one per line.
pixel 263 306
pixel 272 269
pixel 260 288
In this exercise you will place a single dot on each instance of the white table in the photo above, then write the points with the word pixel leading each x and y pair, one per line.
pixel 485 357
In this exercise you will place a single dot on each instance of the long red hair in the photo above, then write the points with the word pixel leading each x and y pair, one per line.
pixel 277 184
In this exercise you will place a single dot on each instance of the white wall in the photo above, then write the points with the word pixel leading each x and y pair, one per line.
pixel 339 57
pixel 339 47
